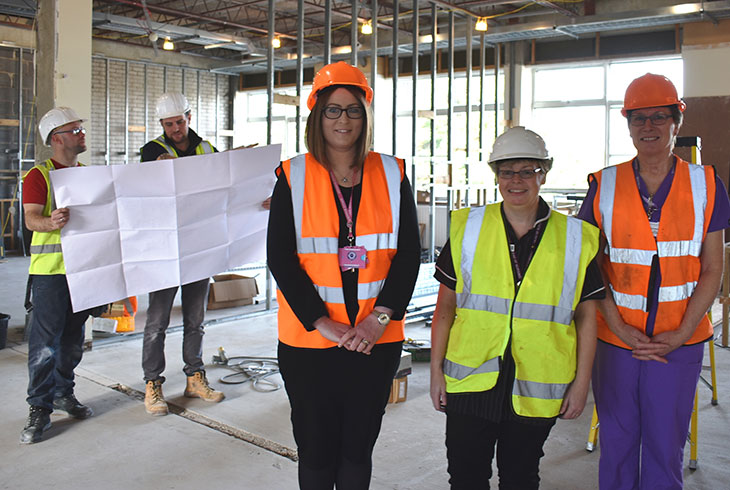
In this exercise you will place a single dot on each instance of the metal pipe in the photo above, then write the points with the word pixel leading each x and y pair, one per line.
pixel 497 61
pixel 126 113
pixel 217 110
pixel 432 143
pixel 300 71
pixel 374 51
pixel 270 109
pixel 395 75
pixel 467 168
pixel 482 63
pixel 146 108
pixel 199 98
pixel 19 229
pixel 327 31
pixel 353 33
pixel 414 115
pixel 450 119
pixel 107 133
pixel 164 79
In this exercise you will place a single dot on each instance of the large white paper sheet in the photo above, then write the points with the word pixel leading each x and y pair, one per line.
pixel 138 228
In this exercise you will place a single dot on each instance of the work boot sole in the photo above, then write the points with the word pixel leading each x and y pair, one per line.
pixel 188 394
pixel 156 413
pixel 77 414
pixel 28 438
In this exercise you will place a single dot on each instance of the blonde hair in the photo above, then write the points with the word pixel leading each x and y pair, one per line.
pixel 314 136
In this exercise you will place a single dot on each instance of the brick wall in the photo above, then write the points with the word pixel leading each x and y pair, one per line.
pixel 148 82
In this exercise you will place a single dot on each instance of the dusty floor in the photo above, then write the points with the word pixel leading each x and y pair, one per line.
pixel 121 447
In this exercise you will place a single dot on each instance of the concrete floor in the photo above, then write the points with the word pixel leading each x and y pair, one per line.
pixel 207 445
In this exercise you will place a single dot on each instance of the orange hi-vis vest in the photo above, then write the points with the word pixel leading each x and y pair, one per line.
pixel 631 247
pixel 317 226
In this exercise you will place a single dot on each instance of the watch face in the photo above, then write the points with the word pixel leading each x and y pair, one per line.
pixel 383 318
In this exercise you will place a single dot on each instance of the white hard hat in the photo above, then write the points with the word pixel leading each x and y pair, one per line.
pixel 55 118
pixel 172 104
pixel 519 142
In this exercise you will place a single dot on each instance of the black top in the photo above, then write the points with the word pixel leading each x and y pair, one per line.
pixel 152 150
pixel 495 405
pixel 296 285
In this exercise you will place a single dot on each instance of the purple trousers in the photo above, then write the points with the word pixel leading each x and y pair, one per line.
pixel 644 408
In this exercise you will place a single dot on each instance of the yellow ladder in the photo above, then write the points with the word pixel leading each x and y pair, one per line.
pixel 692 437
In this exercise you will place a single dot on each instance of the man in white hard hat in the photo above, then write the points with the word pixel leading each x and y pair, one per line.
pixel 177 140
pixel 56 333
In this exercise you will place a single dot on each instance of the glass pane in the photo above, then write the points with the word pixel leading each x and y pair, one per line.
pixel 569 84
pixel 620 146
pixel 575 139
pixel 620 75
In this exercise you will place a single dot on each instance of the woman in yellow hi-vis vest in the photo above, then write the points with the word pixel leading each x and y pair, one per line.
pixel 344 249
pixel 514 332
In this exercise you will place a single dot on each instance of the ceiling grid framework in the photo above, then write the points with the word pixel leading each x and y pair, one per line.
pixel 233 34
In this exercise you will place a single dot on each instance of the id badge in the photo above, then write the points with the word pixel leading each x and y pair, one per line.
pixel 354 257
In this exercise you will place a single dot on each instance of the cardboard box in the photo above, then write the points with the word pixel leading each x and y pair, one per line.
pixel 229 290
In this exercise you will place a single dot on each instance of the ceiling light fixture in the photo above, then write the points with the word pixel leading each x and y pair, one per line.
pixel 481 24
pixel 168 45
pixel 276 43
pixel 367 27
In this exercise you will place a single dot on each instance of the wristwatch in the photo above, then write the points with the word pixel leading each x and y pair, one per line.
pixel 383 318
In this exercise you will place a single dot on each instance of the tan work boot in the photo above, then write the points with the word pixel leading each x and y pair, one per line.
pixel 198 387
pixel 154 402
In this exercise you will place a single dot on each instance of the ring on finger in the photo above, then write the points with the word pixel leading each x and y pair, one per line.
pixel 365 341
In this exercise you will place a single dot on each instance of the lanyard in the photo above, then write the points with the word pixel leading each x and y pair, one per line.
pixel 346 209
pixel 533 246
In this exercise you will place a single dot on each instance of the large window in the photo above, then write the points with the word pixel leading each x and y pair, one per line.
pixel 578 112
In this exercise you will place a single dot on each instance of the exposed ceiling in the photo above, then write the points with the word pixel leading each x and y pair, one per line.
pixel 235 32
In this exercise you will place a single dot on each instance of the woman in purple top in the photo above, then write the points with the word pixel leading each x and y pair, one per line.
pixel 662 223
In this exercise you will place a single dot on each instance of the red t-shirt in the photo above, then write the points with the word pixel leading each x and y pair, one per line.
pixel 35 189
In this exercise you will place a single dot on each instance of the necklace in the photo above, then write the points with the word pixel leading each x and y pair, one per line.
pixel 650 206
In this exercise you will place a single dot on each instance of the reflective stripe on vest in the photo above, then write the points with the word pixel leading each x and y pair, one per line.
pixel 329 245
pixel 561 313
pixel 47 248
pixel 543 334
pixel 316 223
pixel 204 147
pixel 630 251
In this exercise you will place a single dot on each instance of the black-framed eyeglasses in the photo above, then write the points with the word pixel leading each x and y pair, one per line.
pixel 334 112
pixel 657 119
pixel 74 131
pixel 523 174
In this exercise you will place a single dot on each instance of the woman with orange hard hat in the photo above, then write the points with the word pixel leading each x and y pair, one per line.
pixel 343 246
pixel 662 222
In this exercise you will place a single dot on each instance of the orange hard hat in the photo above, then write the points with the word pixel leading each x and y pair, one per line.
pixel 339 73
pixel 651 90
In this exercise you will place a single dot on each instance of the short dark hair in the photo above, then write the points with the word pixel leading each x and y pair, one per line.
pixel 314 137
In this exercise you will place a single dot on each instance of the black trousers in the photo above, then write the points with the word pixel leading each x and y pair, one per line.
pixel 470 443
pixel 337 399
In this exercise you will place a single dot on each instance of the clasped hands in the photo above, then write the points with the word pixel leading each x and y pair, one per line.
pixel 645 348
pixel 361 338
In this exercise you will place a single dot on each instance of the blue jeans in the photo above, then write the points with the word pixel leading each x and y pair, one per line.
pixel 55 341
pixel 194 296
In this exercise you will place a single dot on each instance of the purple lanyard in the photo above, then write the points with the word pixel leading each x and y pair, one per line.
pixel 346 209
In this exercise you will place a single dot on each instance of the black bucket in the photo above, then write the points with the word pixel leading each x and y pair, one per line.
pixel 3 329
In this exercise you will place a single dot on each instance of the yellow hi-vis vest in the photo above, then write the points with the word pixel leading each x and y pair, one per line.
pixel 46 256
pixel 203 148
pixel 539 319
